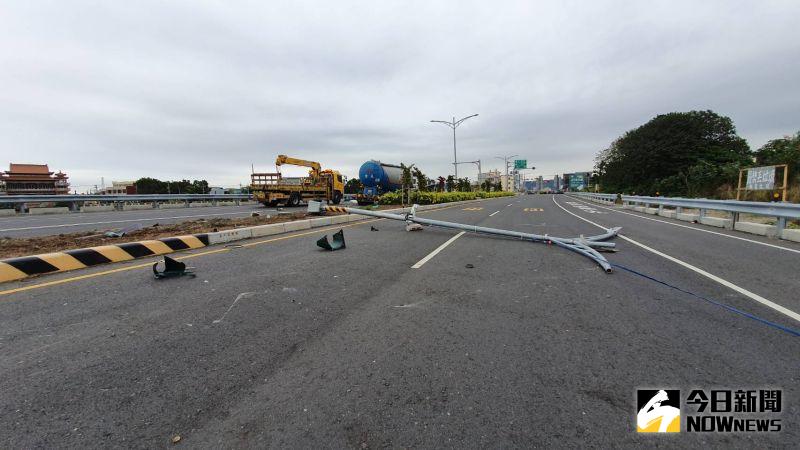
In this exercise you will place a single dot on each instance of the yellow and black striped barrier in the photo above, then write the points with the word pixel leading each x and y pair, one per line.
pixel 23 267
pixel 335 209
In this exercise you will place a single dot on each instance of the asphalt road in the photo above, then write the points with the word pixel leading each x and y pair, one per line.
pixel 279 344
pixel 46 225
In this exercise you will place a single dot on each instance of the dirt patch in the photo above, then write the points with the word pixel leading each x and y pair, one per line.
pixel 13 247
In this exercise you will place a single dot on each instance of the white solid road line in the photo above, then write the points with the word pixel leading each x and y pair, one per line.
pixel 753 296
pixel 509 204
pixel 490 215
pixel 438 249
pixel 141 219
pixel 693 228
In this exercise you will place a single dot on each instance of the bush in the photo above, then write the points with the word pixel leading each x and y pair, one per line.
pixel 429 198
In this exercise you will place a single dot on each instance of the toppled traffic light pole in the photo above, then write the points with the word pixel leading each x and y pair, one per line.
pixel 583 245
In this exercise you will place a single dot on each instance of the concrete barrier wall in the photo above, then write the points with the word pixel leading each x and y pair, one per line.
pixel 791 234
pixel 756 228
pixel 230 235
pixel 136 207
pixel 687 217
pixel 7 212
pixel 716 222
pixel 59 210
pixel 99 208
pixel 320 222
pixel 267 230
pixel 668 213
pixel 298 225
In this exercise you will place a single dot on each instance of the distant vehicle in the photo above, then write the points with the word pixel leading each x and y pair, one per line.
pixel 272 189
pixel 378 178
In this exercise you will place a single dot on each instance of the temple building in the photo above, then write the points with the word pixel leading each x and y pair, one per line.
pixel 33 179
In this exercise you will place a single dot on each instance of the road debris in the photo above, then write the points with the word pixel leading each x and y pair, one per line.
pixel 586 246
pixel 172 268
pixel 337 244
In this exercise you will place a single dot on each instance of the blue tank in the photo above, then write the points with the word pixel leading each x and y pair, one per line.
pixel 380 177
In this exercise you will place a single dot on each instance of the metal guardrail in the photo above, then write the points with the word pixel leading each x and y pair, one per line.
pixel 21 201
pixel 781 210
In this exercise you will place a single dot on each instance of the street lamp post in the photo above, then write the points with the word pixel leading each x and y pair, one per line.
pixel 505 159
pixel 454 124
pixel 478 163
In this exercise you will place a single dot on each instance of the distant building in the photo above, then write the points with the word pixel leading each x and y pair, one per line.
pixel 492 175
pixel 33 179
pixel 216 190
pixel 119 188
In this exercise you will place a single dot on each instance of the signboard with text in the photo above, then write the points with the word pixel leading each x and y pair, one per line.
pixel 520 163
pixel 760 178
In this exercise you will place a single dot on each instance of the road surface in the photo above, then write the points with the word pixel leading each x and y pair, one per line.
pixel 46 225
pixel 488 342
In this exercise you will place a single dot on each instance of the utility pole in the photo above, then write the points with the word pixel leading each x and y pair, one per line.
pixel 454 124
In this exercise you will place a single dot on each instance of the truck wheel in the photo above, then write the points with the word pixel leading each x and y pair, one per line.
pixel 294 200
pixel 337 198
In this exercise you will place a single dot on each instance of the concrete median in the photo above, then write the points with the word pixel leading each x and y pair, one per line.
pixel 98 208
pixel 42 211
pixel 761 229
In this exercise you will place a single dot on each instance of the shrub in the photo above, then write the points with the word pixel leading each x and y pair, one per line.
pixel 429 198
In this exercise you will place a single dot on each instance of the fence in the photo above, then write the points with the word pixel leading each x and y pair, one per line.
pixel 781 210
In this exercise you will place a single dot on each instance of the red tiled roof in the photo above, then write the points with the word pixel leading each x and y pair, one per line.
pixel 40 169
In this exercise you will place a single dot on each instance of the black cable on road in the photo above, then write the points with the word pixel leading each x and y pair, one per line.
pixel 713 302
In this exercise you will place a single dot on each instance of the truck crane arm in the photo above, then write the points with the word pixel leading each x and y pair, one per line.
pixel 315 166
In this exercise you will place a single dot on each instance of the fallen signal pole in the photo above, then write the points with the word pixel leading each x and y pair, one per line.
pixel 586 246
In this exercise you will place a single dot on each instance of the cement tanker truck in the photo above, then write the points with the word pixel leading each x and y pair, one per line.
pixel 378 178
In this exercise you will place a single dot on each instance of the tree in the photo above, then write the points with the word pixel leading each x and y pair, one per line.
pixel 440 185
pixel 689 153
pixel 353 186
pixel 422 180
pixel 498 186
pixel 451 183
pixel 782 151
pixel 405 179
pixel 486 185
pixel 464 185
pixel 150 186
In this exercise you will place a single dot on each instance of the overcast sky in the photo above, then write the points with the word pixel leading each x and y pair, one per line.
pixel 203 89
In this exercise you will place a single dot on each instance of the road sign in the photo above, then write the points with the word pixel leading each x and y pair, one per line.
pixel 520 163
pixel 578 181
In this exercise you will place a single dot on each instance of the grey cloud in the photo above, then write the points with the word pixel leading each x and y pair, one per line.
pixel 204 89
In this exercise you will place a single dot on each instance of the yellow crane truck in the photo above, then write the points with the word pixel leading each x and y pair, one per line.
pixel 272 189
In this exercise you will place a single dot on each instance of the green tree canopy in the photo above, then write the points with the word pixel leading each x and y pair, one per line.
pixel 422 180
pixel 688 154
pixel 782 151
pixel 353 186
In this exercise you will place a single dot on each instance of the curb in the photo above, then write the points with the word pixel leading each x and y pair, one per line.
pixel 25 266
pixel 13 269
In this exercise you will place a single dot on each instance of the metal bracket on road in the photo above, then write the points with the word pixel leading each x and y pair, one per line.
pixel 337 244
pixel 586 246
pixel 172 268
